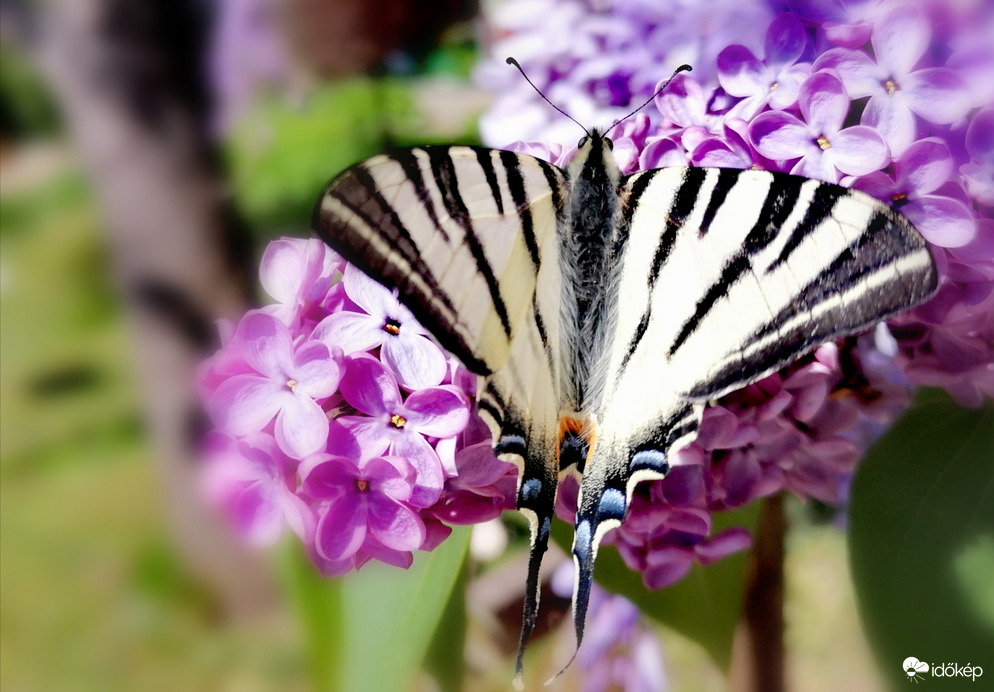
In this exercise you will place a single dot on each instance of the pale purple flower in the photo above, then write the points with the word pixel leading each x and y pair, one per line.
pixel 387 325
pixel 619 650
pixel 286 381
pixel 820 145
pixel 897 90
pixel 255 482
pixel 397 426
pixel 299 274
pixel 363 510
pixel 924 168
pixel 731 150
pixel 979 172
pixel 844 22
pixel 776 80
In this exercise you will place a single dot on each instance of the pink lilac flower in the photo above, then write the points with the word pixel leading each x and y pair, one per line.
pixel 364 511
pixel 924 168
pixel 257 482
pixel 897 90
pixel 285 382
pixel 819 144
pixel 299 275
pixel 386 324
pixel 400 426
pixel 775 80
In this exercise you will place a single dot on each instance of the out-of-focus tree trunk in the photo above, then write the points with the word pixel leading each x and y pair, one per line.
pixel 129 80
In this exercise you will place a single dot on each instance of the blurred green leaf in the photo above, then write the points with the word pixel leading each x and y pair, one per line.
pixel 444 660
pixel 370 630
pixel 975 570
pixel 924 493
pixel 704 606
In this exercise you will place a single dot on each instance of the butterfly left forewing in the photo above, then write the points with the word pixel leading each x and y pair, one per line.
pixel 459 231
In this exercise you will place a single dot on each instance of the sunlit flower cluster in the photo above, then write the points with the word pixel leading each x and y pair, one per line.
pixel 336 416
pixel 888 96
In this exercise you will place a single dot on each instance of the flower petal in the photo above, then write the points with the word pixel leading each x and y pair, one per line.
pixel 394 525
pixel 377 300
pixel 858 150
pixel 430 477
pixel 824 102
pixel 317 370
pixel 901 38
pixel 785 41
pixel 266 344
pixel 301 426
pixel 937 94
pixel 437 411
pixel 779 135
pixel 859 73
pixel 926 165
pixel 370 387
pixel 740 72
pixel 943 221
pixel 415 360
pixel 892 118
pixel 341 530
pixel 353 332
pixel 244 404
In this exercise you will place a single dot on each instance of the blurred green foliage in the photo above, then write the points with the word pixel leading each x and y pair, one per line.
pixel 923 494
pixel 26 110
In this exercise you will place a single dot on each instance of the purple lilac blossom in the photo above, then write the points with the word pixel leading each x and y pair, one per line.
pixel 620 651
pixel 331 444
pixel 883 108
pixel 801 430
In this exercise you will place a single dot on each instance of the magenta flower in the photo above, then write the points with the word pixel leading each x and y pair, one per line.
pixel 896 89
pixel 396 426
pixel 482 487
pixel 774 81
pixel 285 381
pixel 924 168
pixel 254 481
pixel 822 148
pixel 298 274
pixel 364 512
pixel 387 325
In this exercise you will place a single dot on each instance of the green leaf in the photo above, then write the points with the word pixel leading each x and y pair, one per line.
pixel 704 606
pixel 370 630
pixel 922 497
pixel 444 660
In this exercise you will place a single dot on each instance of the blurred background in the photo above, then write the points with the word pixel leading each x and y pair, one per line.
pixel 148 150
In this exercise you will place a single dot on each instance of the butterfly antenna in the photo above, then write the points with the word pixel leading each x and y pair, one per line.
pixel 682 68
pixel 512 61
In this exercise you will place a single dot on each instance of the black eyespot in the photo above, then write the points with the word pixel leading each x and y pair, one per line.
pixel 583 140
pixel 610 143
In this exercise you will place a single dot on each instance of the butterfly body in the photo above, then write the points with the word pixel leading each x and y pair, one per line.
pixel 604 311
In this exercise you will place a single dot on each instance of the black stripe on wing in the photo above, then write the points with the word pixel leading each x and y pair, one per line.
pixel 444 170
pixel 885 240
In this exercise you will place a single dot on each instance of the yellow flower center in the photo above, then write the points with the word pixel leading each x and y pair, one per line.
pixel 362 486
pixel 392 327
pixel 774 86
pixel 291 384
pixel 824 143
pixel 891 86
pixel 398 421
pixel 899 199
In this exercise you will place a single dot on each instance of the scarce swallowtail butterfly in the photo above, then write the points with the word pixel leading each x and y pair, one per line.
pixel 603 311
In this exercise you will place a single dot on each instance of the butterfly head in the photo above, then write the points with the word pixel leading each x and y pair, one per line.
pixel 593 157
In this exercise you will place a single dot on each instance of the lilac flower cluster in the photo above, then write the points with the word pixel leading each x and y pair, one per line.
pixel 889 96
pixel 337 417
pixel 619 652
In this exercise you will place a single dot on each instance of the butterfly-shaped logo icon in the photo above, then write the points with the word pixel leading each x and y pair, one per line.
pixel 913 667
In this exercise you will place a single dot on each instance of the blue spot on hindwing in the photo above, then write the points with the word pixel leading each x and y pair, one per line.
pixel 611 505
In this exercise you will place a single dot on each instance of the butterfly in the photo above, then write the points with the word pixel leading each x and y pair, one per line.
pixel 604 311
